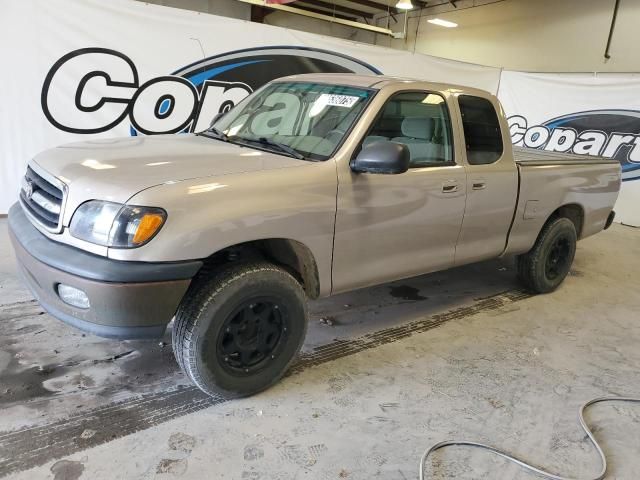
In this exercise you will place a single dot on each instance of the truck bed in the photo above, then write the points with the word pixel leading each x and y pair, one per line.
pixel 548 180
pixel 534 157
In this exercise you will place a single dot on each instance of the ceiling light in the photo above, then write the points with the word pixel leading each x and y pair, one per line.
pixel 442 23
pixel 404 5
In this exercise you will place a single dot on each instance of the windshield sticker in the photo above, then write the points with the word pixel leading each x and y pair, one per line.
pixel 346 101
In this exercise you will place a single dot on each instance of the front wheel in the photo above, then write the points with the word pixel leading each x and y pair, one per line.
pixel 546 265
pixel 237 332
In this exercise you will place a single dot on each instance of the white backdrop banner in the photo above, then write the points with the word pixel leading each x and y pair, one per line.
pixel 585 114
pixel 77 69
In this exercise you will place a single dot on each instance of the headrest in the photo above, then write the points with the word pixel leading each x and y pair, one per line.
pixel 418 127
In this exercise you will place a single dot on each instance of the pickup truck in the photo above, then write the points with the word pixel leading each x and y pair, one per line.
pixel 311 186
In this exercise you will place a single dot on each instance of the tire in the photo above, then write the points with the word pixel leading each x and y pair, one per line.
pixel 546 265
pixel 237 331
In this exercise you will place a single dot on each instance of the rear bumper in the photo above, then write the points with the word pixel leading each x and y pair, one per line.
pixel 128 300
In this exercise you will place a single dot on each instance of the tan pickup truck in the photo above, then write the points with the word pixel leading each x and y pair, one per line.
pixel 311 186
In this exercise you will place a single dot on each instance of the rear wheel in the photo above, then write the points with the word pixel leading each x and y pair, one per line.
pixel 237 332
pixel 546 265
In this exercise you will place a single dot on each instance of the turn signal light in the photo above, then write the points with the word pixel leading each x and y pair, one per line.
pixel 148 226
pixel 115 225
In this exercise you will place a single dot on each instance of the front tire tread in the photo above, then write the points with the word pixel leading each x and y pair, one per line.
pixel 205 289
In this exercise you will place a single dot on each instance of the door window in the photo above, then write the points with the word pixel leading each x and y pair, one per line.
pixel 421 121
pixel 482 133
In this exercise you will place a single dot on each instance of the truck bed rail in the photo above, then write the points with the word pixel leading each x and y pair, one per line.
pixel 534 157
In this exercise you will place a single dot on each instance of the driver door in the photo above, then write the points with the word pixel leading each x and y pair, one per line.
pixel 396 226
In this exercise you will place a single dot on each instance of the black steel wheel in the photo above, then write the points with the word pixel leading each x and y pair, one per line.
pixel 559 257
pixel 252 336
pixel 237 332
pixel 547 264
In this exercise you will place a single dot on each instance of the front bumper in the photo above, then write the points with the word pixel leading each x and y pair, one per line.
pixel 610 220
pixel 128 300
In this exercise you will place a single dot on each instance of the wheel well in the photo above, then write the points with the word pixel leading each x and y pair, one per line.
pixel 294 256
pixel 573 212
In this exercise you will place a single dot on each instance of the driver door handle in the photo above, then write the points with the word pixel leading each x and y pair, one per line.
pixel 449 187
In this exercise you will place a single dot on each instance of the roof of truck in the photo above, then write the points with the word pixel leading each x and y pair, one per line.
pixel 377 81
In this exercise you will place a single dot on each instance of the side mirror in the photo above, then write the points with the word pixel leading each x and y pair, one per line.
pixel 216 117
pixel 382 157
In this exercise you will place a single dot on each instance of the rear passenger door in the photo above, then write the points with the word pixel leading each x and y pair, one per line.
pixel 492 181
pixel 396 226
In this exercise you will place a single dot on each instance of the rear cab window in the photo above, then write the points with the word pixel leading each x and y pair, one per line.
pixel 482 133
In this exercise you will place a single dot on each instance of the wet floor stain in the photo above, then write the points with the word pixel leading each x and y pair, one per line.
pixel 405 292
pixel 67 470
pixel 20 384
pixel 39 360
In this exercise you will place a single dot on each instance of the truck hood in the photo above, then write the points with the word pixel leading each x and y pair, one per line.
pixel 116 169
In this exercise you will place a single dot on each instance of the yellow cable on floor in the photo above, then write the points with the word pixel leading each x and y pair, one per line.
pixel 524 464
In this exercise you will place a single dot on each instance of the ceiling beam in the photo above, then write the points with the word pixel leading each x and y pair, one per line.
pixel 324 12
pixel 337 8
pixel 376 5
pixel 319 16
pixel 383 7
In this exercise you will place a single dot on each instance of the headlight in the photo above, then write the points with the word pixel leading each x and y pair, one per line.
pixel 115 225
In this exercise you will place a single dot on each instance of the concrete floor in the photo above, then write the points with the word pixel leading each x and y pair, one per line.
pixel 376 385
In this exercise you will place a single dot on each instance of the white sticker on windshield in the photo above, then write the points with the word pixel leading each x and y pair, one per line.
pixel 346 101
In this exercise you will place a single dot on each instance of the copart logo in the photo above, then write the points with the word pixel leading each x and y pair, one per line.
pixel 607 133
pixel 92 90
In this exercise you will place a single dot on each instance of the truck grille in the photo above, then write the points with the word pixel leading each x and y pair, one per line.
pixel 42 200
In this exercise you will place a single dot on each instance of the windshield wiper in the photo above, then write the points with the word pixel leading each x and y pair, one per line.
pixel 283 147
pixel 217 133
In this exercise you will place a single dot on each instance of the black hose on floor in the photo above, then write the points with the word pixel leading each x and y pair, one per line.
pixel 522 463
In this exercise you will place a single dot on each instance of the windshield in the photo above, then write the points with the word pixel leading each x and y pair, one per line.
pixel 300 119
